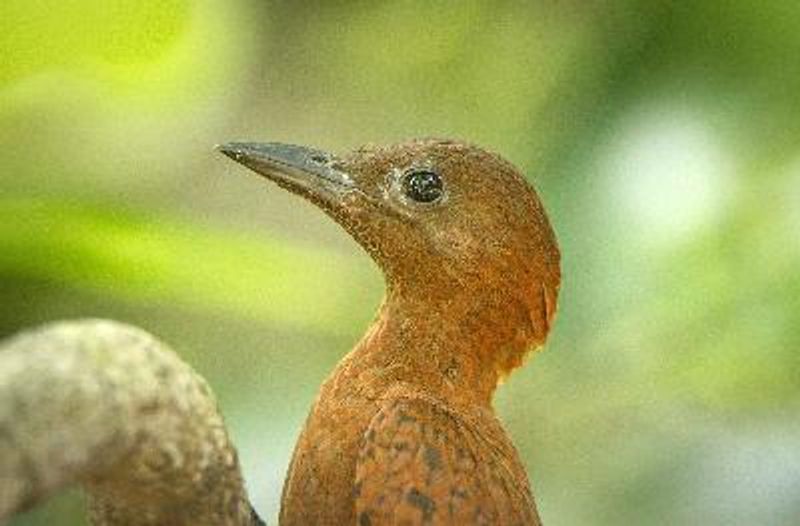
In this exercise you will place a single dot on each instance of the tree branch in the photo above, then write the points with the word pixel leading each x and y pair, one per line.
pixel 108 406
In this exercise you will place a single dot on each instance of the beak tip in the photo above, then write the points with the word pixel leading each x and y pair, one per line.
pixel 230 149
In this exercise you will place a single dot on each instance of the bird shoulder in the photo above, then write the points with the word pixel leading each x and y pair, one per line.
pixel 422 463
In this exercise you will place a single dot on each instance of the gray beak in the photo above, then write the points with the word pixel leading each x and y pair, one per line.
pixel 300 169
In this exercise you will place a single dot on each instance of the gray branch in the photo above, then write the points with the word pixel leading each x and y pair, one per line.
pixel 107 406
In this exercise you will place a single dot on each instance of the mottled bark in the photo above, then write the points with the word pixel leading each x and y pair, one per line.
pixel 108 406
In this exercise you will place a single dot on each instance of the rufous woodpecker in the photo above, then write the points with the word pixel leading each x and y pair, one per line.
pixel 403 431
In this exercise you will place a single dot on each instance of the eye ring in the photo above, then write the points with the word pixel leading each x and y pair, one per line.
pixel 422 185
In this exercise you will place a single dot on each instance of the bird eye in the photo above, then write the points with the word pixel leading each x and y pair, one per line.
pixel 423 186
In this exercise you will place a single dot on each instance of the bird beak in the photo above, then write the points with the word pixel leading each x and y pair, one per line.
pixel 306 171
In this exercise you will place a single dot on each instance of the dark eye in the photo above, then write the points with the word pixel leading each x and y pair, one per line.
pixel 423 186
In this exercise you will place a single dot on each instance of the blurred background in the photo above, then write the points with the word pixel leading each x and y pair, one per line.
pixel 664 138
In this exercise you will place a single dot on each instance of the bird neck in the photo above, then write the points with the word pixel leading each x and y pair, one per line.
pixel 454 350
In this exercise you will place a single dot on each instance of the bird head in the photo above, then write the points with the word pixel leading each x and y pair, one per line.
pixel 451 225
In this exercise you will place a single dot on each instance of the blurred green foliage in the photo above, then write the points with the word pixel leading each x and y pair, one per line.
pixel 135 258
pixel 39 35
pixel 664 138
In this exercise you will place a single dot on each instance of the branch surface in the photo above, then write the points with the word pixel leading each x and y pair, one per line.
pixel 108 406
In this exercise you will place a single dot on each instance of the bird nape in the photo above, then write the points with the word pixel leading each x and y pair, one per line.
pixel 403 430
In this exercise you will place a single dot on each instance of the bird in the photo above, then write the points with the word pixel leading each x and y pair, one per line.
pixel 403 430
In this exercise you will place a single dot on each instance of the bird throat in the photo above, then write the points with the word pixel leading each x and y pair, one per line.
pixel 448 350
